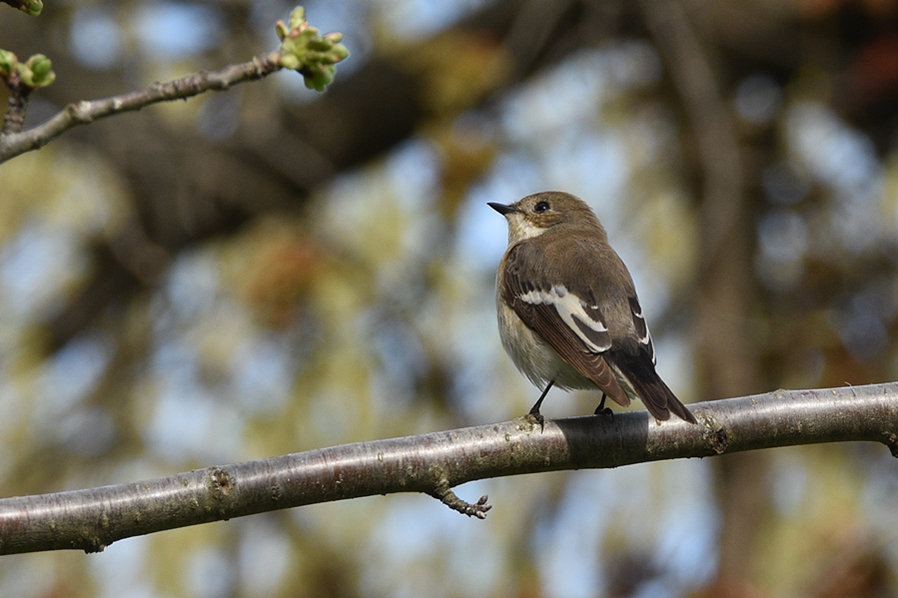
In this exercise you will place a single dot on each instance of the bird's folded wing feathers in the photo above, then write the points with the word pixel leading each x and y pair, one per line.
pixel 574 328
pixel 642 328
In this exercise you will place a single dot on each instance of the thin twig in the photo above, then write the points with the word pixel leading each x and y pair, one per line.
pixel 85 112
pixel 443 493
pixel 17 107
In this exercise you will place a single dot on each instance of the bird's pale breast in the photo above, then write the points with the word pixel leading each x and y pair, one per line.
pixel 534 357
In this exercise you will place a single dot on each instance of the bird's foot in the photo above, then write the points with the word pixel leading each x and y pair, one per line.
pixel 606 411
pixel 535 414
pixel 602 410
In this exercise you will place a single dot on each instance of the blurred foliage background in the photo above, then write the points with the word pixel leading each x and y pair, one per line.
pixel 267 270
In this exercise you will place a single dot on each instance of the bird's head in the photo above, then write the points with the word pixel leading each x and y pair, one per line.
pixel 537 213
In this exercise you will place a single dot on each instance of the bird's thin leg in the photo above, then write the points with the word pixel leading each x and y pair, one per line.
pixel 602 410
pixel 534 411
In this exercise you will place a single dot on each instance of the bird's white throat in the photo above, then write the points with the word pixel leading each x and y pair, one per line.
pixel 520 228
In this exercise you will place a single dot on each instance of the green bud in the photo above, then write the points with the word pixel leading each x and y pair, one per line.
pixel 281 29
pixel 313 58
pixel 35 7
pixel 303 49
pixel 298 18
pixel 337 54
pixel 319 44
pixel 290 61
pixel 40 65
pixel 8 63
pixel 334 37
pixel 37 71
pixel 31 7
pixel 25 75
pixel 319 78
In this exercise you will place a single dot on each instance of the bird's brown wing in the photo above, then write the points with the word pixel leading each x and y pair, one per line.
pixel 574 328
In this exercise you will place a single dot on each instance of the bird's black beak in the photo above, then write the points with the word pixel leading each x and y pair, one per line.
pixel 501 207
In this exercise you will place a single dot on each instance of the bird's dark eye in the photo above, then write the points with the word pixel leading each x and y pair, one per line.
pixel 542 206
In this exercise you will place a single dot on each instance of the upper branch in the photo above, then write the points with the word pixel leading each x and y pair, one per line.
pixel 92 519
pixel 85 112
pixel 302 49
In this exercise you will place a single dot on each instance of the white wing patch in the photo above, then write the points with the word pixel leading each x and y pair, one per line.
pixel 573 312
pixel 642 328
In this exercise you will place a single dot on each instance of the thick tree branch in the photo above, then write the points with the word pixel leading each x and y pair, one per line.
pixel 432 463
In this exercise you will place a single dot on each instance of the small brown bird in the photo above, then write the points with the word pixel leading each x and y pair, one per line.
pixel 568 312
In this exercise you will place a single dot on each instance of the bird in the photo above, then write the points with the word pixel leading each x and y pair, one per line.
pixel 567 308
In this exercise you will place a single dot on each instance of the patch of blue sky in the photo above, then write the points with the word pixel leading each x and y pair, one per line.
pixel 189 421
pixel 844 160
pixel 178 30
pixel 263 368
pixel 413 169
pixel 70 374
pixel 562 98
pixel 207 573
pixel 121 571
pixel 783 238
pixel 24 576
pixel 264 555
pixel 594 166
pixel 95 38
pixel 416 19
pixel 193 284
pixel 677 528
pixel 676 363
pixel 482 233
pixel 174 361
pixel 34 268
pixel 403 542
pixel 689 524
pixel 401 358
pixel 838 155
pixel 570 551
pixel 191 424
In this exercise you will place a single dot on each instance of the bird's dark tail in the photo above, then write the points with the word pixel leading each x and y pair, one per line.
pixel 640 372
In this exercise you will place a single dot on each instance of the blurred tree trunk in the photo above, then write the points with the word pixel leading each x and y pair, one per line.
pixel 727 358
